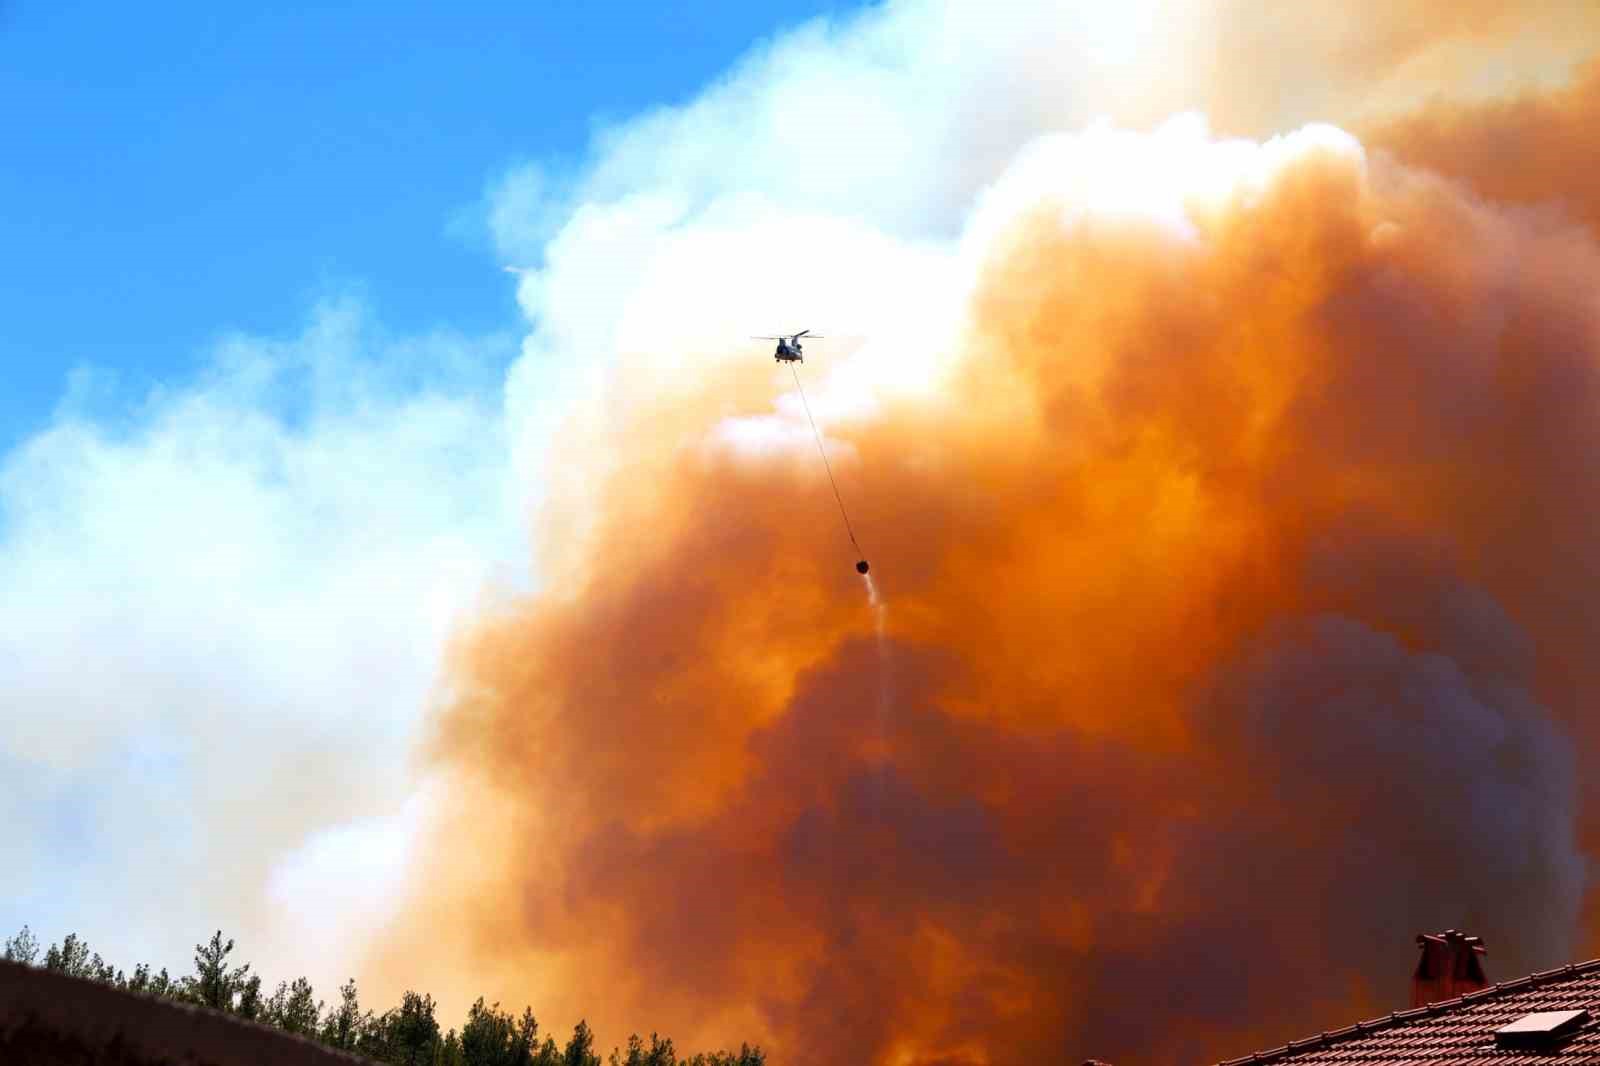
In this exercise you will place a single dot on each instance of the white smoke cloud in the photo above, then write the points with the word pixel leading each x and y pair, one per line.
pixel 826 179
pixel 224 611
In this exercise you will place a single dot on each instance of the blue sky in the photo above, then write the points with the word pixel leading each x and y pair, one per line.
pixel 254 255
pixel 172 173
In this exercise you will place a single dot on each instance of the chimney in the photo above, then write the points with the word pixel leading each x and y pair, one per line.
pixel 1449 967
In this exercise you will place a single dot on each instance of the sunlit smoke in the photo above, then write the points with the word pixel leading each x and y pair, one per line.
pixel 880 622
pixel 1240 545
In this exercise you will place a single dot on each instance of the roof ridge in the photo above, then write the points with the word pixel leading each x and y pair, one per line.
pixel 1571 969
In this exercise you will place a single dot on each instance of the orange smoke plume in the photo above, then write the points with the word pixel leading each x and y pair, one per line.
pixel 1526 150
pixel 1242 593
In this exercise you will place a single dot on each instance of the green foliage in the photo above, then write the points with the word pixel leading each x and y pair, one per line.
pixel 416 1030
pixel 580 1049
pixel 72 957
pixel 407 1035
pixel 249 1004
pixel 488 1037
pixel 214 985
pixel 342 1027
pixel 493 1037
pixel 160 984
pixel 23 948
pixel 659 1053
pixel 376 1035
pixel 525 1042
pixel 747 1056
pixel 294 1008
pixel 449 1051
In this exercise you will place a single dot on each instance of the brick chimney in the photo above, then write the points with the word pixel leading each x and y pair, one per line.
pixel 1448 968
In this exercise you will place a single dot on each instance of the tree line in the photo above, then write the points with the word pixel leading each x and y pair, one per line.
pixel 405 1035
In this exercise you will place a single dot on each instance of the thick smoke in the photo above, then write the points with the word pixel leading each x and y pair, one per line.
pixel 221 600
pixel 1526 150
pixel 1238 537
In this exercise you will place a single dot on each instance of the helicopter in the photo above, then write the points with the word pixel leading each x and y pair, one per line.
pixel 788 350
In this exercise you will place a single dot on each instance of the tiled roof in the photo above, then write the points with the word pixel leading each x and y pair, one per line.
pixel 1461 1030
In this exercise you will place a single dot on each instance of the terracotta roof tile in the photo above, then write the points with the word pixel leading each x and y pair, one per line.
pixel 1458 1031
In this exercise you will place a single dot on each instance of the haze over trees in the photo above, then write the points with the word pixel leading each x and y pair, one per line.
pixel 405 1035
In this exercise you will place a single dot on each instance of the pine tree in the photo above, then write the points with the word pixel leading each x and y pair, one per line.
pixel 449 1051
pixel 661 1052
pixel 70 958
pixel 249 1004
pixel 294 1008
pixel 149 984
pixel 162 984
pixel 23 948
pixel 486 1037
pixel 377 1036
pixel 525 1040
pixel 343 1025
pixel 635 1053
pixel 580 1049
pixel 416 1029
pixel 214 985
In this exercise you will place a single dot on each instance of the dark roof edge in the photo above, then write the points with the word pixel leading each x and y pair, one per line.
pixel 1572 969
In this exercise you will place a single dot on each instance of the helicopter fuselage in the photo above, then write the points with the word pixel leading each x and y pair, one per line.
pixel 788 350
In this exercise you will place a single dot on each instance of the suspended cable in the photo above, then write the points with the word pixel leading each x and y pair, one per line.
pixel 861 566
